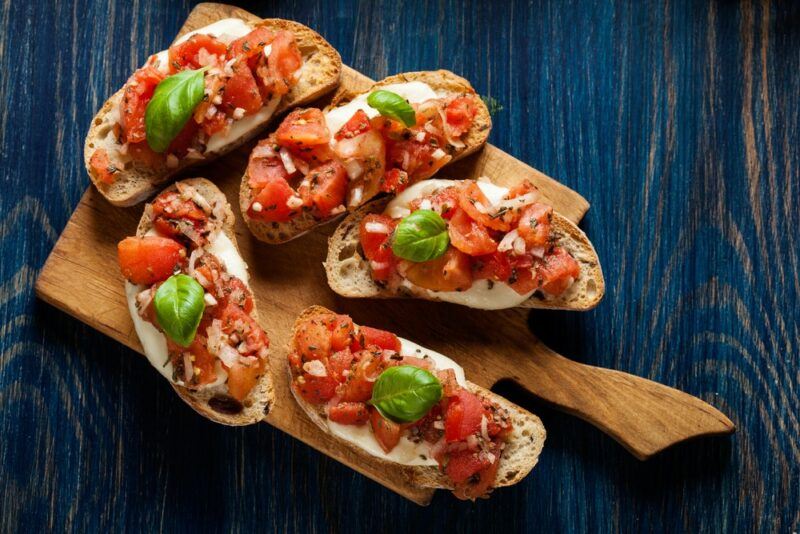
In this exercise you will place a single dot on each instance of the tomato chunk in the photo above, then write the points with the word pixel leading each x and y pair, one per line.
pixel 190 55
pixel 444 202
pixel 349 413
pixel 303 128
pixel 312 338
pixel 386 432
pixel 476 204
pixel 137 93
pixel 449 272
pixel 150 259
pixel 172 214
pixel 460 114
pixel 492 267
pixel 368 336
pixel 250 46
pixel 420 160
pixel 521 279
pixel 271 203
pixel 342 332
pixel 101 166
pixel 486 475
pixel 463 416
pixel 338 363
pixel 394 181
pixel 315 389
pixel 534 225
pixel 242 379
pixel 284 60
pixel 557 272
pixel 375 236
pixel 326 189
pixel 358 124
pixel 468 236
pixel 242 92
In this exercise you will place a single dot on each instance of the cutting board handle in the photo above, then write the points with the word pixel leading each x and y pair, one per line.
pixel 644 416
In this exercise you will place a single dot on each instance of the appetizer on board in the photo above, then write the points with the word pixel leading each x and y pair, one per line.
pixel 468 242
pixel 192 308
pixel 318 164
pixel 409 407
pixel 212 90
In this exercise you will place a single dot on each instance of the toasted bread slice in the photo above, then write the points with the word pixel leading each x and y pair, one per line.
pixel 209 402
pixel 443 82
pixel 349 273
pixel 520 455
pixel 135 181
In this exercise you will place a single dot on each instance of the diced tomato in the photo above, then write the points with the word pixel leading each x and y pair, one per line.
pixel 284 60
pixel 101 166
pixel 349 413
pixel 389 128
pixel 236 321
pixel 203 362
pixel 264 169
pixel 171 212
pixel 270 203
pixel 469 488
pixel 314 155
pixel 449 272
pixel 463 416
pixel 315 389
pixel 142 153
pixel 557 272
pixel 241 91
pixel 368 336
pixel 394 181
pixel 386 432
pixel 468 236
pixel 459 114
pixel 137 93
pixel 534 225
pixel 303 128
pixel 150 259
pixel 357 125
pixel 376 244
pixel 188 55
pixel 474 202
pixel 183 141
pixel 522 188
pixel 463 464
pixel 242 379
pixel 492 267
pixel 338 362
pixel 360 381
pixel 444 202
pixel 326 189
pixel 312 338
pixel 250 46
pixel 235 287
pixel 450 385
pixel 422 363
pixel 521 279
pixel 415 158
pixel 342 332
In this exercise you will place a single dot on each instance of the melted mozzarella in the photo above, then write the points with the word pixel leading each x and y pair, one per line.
pixel 153 341
pixel 406 452
pixel 414 92
pixel 483 294
pixel 241 127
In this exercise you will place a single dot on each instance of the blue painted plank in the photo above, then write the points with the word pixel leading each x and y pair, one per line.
pixel 677 120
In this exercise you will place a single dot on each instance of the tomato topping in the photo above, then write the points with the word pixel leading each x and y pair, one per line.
pixel 172 214
pixel 137 93
pixel 368 336
pixel 203 365
pixel 326 188
pixel 492 267
pixel 262 170
pixel 471 488
pixel 242 379
pixel 521 279
pixel 250 46
pixel 236 321
pixel 242 92
pixel 315 389
pixel 150 259
pixel 102 167
pixel 375 237
pixel 557 271
pixel 416 158
pixel 450 272
pixel 444 202
pixel 349 413
pixel 284 60
pixel 312 338
pixel 394 181
pixel 386 432
pixel 303 128
pixel 357 125
pixel 183 141
pixel 474 202
pixel 468 236
pixel 189 54
pixel 342 333
pixel 338 362
pixel 270 203
pixel 534 225
pixel 360 381
pixel 459 114
pixel 463 416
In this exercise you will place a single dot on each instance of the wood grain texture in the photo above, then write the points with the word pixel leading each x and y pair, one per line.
pixel 678 120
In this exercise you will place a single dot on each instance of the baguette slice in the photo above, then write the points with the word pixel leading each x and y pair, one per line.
pixel 349 273
pixel 440 81
pixel 136 182
pixel 520 455
pixel 207 402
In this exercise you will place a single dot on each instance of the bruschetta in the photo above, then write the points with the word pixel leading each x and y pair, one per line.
pixel 191 305
pixel 211 91
pixel 467 242
pixel 408 407
pixel 319 164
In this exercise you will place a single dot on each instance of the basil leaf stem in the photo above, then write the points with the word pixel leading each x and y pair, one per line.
pixel 405 393
pixel 172 106
pixel 422 236
pixel 392 105
pixel 179 307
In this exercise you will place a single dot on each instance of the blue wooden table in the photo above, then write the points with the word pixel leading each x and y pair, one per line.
pixel 678 121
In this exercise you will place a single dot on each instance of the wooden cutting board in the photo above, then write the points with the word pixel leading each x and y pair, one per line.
pixel 81 277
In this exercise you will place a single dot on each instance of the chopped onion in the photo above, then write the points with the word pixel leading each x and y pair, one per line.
pixel 472 442
pixel 507 243
pixel 315 368
pixel 238 113
pixel 519 246
pixel 338 209
pixel 263 151
pixel 288 163
pixel 228 355
pixel 354 168
pixel 211 111
pixel 377 228
pixel 516 202
pixel 358 194
pixel 537 251
pixel 425 204
pixel 480 207
pixel 485 428
pixel 214 333
pixel 188 368
pixel 294 202
pixel 209 299
pixel 378 265
pixel 248 360
pixel 420 137
pixel 438 154
pixel 257 207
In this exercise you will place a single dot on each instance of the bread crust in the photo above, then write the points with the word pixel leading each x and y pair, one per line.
pixel 441 81
pixel 519 457
pixel 258 404
pixel 348 271
pixel 137 182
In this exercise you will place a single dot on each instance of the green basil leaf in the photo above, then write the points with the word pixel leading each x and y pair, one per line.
pixel 392 105
pixel 405 393
pixel 172 106
pixel 179 307
pixel 421 236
